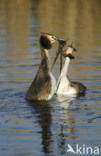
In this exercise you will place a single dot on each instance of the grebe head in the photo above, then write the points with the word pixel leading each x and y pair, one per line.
pixel 69 52
pixel 46 40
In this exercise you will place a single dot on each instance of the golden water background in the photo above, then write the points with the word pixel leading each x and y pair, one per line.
pixel 34 129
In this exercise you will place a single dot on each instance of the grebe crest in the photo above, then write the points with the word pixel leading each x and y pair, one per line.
pixel 46 40
pixel 69 52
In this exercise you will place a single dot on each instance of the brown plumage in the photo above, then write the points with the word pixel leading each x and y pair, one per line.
pixel 80 88
pixel 42 87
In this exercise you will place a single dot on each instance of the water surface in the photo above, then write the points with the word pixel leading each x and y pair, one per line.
pixel 45 129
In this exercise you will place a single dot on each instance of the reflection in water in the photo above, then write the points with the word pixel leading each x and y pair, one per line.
pixel 67 125
pixel 20 25
pixel 43 109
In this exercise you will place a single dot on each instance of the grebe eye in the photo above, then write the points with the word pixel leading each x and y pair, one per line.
pixel 75 49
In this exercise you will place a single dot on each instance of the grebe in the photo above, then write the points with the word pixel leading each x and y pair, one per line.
pixel 44 85
pixel 65 87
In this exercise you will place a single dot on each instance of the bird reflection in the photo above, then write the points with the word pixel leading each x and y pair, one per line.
pixel 43 110
pixel 67 126
pixel 66 123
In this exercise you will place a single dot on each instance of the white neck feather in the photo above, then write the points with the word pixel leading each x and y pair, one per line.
pixel 63 82
pixel 63 85
pixel 65 67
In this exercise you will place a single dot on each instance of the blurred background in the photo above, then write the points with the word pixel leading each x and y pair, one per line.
pixel 45 129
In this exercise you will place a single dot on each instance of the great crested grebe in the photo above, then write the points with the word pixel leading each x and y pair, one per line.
pixel 44 85
pixel 64 86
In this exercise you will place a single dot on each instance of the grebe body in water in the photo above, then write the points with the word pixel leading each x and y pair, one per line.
pixel 66 87
pixel 44 84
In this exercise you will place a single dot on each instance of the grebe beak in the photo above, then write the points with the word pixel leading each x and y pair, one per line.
pixel 62 42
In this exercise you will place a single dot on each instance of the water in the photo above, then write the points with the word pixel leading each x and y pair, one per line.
pixel 45 129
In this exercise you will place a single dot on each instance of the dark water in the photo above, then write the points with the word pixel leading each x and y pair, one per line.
pixel 45 129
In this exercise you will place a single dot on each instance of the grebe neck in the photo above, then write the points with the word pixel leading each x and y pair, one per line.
pixel 45 58
pixel 65 67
